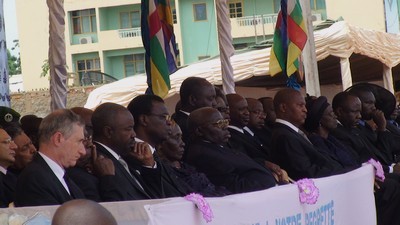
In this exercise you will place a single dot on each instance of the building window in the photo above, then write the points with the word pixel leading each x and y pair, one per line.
pixel 277 5
pixel 200 11
pixel 129 19
pixel 134 64
pixel 235 9
pixel 317 4
pixel 84 21
pixel 88 65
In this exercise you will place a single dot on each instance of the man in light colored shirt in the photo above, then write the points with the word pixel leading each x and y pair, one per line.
pixel 43 182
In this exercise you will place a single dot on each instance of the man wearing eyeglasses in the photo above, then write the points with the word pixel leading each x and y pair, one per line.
pixel 7 158
pixel 224 166
pixel 153 126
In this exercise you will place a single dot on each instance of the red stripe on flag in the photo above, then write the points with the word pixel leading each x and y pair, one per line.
pixel 154 23
pixel 296 33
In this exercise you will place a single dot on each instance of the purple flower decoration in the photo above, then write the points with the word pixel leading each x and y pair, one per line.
pixel 379 174
pixel 202 205
pixel 309 193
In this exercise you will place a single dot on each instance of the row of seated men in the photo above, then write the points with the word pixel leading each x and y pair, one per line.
pixel 218 145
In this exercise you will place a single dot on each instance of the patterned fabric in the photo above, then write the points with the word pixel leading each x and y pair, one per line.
pixel 4 83
pixel 289 39
pixel 159 41
pixel 57 57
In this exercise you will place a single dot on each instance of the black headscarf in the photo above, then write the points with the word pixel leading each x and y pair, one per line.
pixel 315 110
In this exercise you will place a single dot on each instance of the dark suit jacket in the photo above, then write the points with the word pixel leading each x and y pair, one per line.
pixel 181 119
pixel 248 145
pixel 88 183
pixel 353 138
pixel 161 182
pixel 298 156
pixel 123 187
pixel 9 183
pixel 38 185
pixel 229 168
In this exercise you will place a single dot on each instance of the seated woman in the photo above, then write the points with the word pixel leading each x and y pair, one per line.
pixel 320 121
pixel 171 152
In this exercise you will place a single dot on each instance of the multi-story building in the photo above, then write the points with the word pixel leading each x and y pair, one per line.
pixel 105 36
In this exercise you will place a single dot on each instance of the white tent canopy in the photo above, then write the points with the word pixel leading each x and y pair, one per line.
pixel 340 40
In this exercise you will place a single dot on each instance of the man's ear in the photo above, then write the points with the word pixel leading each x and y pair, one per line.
pixel 107 131
pixel 57 138
pixel 282 107
pixel 199 132
pixel 192 100
pixel 143 120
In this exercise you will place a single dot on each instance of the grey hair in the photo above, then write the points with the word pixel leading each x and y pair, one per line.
pixel 62 121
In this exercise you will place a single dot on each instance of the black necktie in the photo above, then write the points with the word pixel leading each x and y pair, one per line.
pixel 74 190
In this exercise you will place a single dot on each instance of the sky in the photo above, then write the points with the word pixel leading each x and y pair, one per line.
pixel 10 19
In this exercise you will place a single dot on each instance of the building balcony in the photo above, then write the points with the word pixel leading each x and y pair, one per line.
pixel 120 39
pixel 249 26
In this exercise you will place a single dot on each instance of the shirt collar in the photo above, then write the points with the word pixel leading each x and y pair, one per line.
pixel 3 170
pixel 151 147
pixel 184 112
pixel 249 130
pixel 287 123
pixel 236 128
pixel 114 154
pixel 57 169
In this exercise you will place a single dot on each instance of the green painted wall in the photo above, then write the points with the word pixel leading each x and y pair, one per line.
pixel 89 55
pixel 109 17
pixel 258 7
pixel 199 37
pixel 114 61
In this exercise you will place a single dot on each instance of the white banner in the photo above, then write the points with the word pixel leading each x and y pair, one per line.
pixel 344 199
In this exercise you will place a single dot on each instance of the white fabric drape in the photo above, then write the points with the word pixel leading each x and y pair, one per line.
pixel 57 57
pixel 225 46
pixel 4 78
pixel 388 78
pixel 346 73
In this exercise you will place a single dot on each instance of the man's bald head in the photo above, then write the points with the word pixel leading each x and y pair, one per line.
pixel 290 105
pixel 201 116
pixel 82 212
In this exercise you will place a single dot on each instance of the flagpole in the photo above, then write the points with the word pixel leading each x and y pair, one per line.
pixel 309 56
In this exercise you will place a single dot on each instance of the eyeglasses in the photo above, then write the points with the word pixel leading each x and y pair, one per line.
pixel 221 123
pixel 258 113
pixel 223 109
pixel 166 117
pixel 7 141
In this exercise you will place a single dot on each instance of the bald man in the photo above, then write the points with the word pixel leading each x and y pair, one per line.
pixel 82 212
pixel 223 166
pixel 290 148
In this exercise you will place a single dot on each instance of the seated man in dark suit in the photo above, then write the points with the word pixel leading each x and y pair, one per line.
pixel 348 109
pixel 43 181
pixel 89 166
pixel 223 165
pixel 7 158
pixel 195 92
pixel 24 152
pixel 152 127
pixel 290 147
pixel 270 116
pixel 114 137
pixel 373 123
pixel 242 138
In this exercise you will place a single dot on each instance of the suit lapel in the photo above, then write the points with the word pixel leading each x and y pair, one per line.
pixel 121 169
